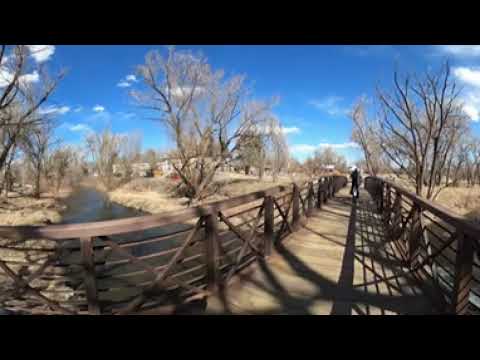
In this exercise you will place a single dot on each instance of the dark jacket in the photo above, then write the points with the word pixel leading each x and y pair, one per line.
pixel 355 176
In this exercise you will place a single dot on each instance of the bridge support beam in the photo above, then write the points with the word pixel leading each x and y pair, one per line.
pixel 211 230
pixel 86 248
pixel 268 224
pixel 310 199
pixel 414 238
pixel 295 207
pixel 387 207
pixel 463 275
pixel 319 194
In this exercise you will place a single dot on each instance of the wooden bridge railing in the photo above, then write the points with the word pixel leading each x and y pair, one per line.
pixel 438 245
pixel 149 263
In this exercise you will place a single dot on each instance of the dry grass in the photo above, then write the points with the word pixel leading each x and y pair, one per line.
pixel 462 200
pixel 152 195
pixel 155 195
pixel 20 209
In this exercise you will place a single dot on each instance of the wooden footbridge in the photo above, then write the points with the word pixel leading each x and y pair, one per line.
pixel 306 249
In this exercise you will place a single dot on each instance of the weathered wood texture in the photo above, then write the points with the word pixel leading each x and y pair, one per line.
pixel 338 263
pixel 437 244
pixel 166 259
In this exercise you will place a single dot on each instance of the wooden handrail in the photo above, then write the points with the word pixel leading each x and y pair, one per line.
pixel 407 232
pixel 120 226
pixel 255 243
pixel 441 211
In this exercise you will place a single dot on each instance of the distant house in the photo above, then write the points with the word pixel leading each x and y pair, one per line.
pixel 328 168
pixel 142 170
pixel 118 170
pixel 138 170
pixel 165 165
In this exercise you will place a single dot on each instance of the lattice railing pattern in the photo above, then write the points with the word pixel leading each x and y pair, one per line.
pixel 437 245
pixel 151 263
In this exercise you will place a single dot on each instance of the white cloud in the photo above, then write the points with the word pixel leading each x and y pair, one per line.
pixel 302 148
pixel 6 78
pixel 308 149
pixel 330 105
pixel 186 91
pixel 472 112
pixel 98 108
pixel 461 50
pixel 80 128
pixel 471 104
pixel 470 76
pixel 41 53
pixel 5 58
pixel 471 98
pixel 124 84
pixel 338 146
pixel 285 130
pixel 54 110
pixel 29 78
pixel 290 130
pixel 127 81
pixel 78 109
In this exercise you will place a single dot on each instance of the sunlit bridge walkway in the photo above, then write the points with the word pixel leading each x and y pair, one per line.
pixel 296 249
pixel 337 263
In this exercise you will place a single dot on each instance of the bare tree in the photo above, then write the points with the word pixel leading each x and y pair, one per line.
pixel 204 113
pixel 325 157
pixel 363 134
pixel 105 149
pixel 24 87
pixel 35 144
pixel 151 157
pixel 57 165
pixel 277 147
pixel 129 152
pixel 418 127
pixel 251 152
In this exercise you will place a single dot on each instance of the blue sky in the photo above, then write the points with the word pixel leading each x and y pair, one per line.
pixel 316 84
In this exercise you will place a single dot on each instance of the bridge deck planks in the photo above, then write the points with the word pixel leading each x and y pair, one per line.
pixel 337 263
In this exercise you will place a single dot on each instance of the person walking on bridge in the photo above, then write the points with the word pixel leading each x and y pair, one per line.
pixel 355 176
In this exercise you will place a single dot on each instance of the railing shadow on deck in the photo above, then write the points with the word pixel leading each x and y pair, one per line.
pixel 345 294
pixel 156 277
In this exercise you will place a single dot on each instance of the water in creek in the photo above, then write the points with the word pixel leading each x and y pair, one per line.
pixel 89 204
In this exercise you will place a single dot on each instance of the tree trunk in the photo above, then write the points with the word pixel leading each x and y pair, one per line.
pixel 36 191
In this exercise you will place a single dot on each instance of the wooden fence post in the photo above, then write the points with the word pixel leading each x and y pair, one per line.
pixel 311 195
pixel 295 207
pixel 394 221
pixel 268 224
pixel 319 194
pixel 88 260
pixel 397 213
pixel 463 274
pixel 387 207
pixel 326 183
pixel 380 193
pixel 336 185
pixel 211 229
pixel 415 238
